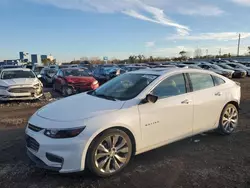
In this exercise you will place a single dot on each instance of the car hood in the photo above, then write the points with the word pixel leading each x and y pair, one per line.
pixel 19 81
pixel 77 79
pixel 227 70
pixel 241 70
pixel 78 107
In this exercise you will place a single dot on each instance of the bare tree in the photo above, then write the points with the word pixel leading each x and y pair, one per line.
pixel 198 53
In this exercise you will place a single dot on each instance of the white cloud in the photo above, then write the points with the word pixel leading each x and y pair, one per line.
pixel 201 10
pixel 242 2
pixel 212 50
pixel 224 36
pixel 134 8
pixel 150 44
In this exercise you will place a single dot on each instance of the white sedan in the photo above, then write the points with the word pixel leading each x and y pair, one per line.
pixel 19 84
pixel 136 112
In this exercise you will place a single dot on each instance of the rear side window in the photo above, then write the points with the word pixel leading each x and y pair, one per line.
pixel 218 81
pixel 201 81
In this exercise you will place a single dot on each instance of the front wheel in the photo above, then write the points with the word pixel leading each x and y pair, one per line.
pixel 54 86
pixel 229 119
pixel 109 153
pixel 66 91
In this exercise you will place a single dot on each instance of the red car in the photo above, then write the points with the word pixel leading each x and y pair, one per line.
pixel 74 80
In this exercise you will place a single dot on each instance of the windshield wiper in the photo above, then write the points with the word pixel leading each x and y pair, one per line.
pixel 106 97
pixel 103 96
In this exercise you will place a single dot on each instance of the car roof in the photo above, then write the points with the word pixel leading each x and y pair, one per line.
pixel 72 68
pixel 163 71
pixel 16 69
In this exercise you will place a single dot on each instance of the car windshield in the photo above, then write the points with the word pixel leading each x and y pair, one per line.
pixel 246 64
pixel 14 74
pixel 75 72
pixel 225 66
pixel 124 87
pixel 215 66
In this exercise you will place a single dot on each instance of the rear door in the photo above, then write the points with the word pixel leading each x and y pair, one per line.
pixel 209 99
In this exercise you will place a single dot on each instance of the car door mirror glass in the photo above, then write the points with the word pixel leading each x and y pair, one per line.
pixel 151 98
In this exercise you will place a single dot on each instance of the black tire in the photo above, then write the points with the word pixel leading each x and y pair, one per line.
pixel 223 128
pixel 64 91
pixel 91 154
pixel 54 87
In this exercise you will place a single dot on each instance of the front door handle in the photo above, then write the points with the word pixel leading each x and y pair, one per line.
pixel 218 94
pixel 187 101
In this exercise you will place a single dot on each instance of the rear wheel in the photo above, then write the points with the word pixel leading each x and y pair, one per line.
pixel 229 119
pixel 109 153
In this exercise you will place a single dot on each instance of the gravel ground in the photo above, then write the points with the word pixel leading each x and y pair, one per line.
pixel 207 160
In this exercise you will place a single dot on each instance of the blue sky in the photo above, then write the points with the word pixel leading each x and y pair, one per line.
pixel 71 29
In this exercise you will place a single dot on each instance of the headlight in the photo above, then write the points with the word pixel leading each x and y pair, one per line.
pixel 95 82
pixel 63 133
pixel 3 87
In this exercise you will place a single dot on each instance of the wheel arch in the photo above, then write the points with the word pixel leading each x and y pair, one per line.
pixel 92 139
pixel 235 103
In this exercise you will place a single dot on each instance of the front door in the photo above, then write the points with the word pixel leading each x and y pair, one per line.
pixel 171 117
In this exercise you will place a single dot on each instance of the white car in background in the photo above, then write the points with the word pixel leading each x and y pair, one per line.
pixel 131 114
pixel 19 84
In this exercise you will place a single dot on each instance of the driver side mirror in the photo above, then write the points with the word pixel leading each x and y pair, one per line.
pixel 39 76
pixel 151 98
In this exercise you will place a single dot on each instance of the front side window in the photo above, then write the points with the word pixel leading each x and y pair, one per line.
pixel 15 74
pixel 201 81
pixel 171 86
pixel 124 87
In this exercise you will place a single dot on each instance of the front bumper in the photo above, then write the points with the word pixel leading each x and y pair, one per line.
pixel 21 93
pixel 228 75
pixel 239 74
pixel 18 97
pixel 70 151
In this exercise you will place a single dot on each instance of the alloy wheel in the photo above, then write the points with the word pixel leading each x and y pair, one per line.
pixel 230 119
pixel 111 154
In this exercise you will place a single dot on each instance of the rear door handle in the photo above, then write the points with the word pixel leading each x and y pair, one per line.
pixel 187 101
pixel 218 94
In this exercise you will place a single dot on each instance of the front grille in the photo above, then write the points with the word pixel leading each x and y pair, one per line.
pixel 22 90
pixel 32 143
pixel 34 128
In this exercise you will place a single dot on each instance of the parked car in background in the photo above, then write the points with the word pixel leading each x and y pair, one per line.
pixel 165 66
pixel 181 65
pixel 136 112
pixel 189 63
pixel 47 76
pixel 217 69
pixel 104 73
pixel 240 66
pixel 53 67
pixel 37 69
pixel 238 73
pixel 10 67
pixel 19 84
pixel 134 68
pixel 70 81
pixel 194 67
